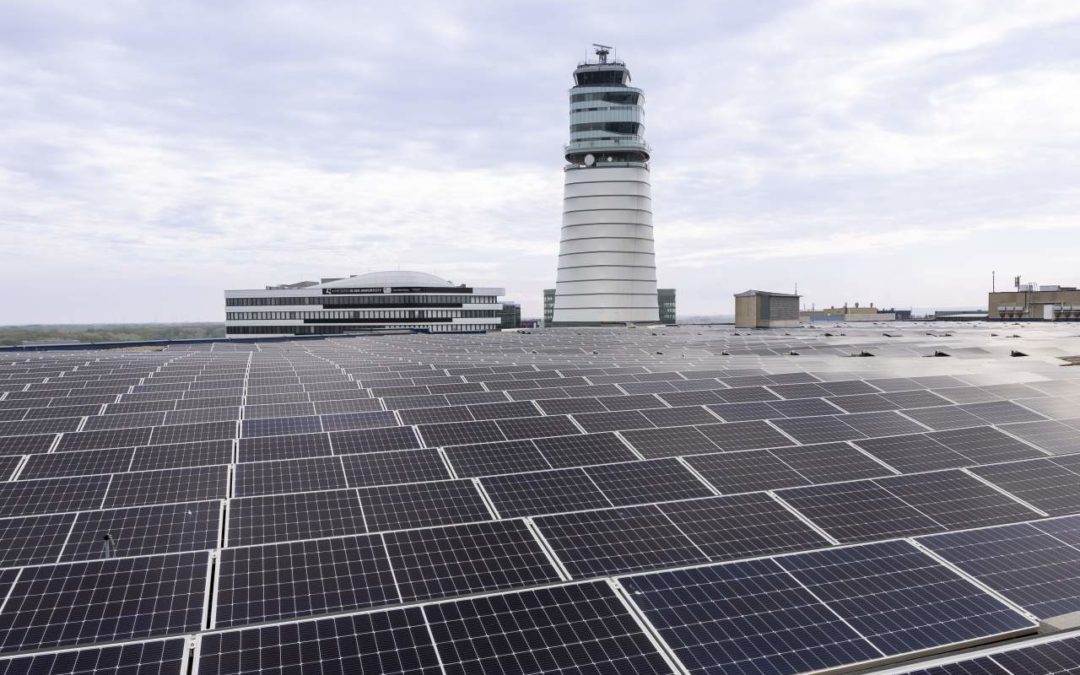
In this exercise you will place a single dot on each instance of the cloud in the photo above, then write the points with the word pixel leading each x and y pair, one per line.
pixel 154 154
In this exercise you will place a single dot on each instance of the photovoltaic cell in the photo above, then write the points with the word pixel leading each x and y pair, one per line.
pixel 156 657
pixel 52 495
pixel 741 526
pixel 399 466
pixel 537 427
pixel 1029 567
pixel 901 599
pixel 115 599
pixel 146 530
pixel 464 559
pixel 299 475
pixel 746 471
pixel 583 450
pixel 395 641
pixel 277 581
pixel 611 541
pixel 582 628
pixel 669 442
pixel 373 440
pixel 167 486
pixel 748 617
pixel 31 540
pixel 490 459
pixel 1043 483
pixel 527 494
pixel 398 507
pixel 305 515
pixel 859 511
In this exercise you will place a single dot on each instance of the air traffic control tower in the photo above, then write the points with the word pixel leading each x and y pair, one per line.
pixel 607 267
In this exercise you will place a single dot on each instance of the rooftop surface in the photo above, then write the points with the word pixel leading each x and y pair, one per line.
pixel 705 500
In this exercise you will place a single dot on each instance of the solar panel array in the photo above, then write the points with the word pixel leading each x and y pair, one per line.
pixel 587 501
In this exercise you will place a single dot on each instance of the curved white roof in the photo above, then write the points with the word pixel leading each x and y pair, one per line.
pixel 389 278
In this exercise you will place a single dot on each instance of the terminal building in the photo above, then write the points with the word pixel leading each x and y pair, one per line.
pixel 1032 302
pixel 607 267
pixel 363 303
pixel 665 302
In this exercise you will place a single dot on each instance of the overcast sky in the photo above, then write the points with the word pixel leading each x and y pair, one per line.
pixel 153 154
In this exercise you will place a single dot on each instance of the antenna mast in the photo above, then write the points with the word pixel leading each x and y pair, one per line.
pixel 602 51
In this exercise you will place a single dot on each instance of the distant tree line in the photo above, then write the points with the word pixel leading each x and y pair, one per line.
pixel 109 332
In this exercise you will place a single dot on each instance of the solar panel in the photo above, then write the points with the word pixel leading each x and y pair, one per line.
pixel 169 486
pixel 669 442
pixel 395 641
pixel 611 541
pixel 744 435
pixel 746 471
pixel 1026 565
pixel 1053 437
pixel 309 577
pixel 568 406
pixel 830 462
pixel 915 452
pixel 459 433
pixel 583 450
pixel 1001 412
pixel 397 507
pixel 280 426
pixel 744 412
pixel 358 420
pixel 115 599
pixel 399 466
pixel 527 494
pixel 748 617
pixel 1059 657
pixel 956 500
pixel 613 421
pixel 110 438
pixel 945 417
pixel 286 517
pixel 33 539
pixel 464 559
pixel 146 530
pixel 674 417
pixel 156 657
pixel 181 455
pixel 537 427
pixel 189 433
pixel 809 430
pixel 738 526
pixel 859 511
pixel 581 628
pixel 648 481
pixel 875 424
pixel 495 411
pixel 52 495
pixel 802 407
pixel 901 599
pixel 489 459
pixel 373 440
pixel 985 445
pixel 1043 483
pixel 444 414
pixel 79 463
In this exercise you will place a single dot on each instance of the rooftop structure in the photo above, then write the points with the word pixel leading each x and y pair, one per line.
pixel 236 508
pixel 362 303
pixel 766 309
pixel 607 267
pixel 1032 302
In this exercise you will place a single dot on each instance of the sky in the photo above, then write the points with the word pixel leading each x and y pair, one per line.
pixel 153 154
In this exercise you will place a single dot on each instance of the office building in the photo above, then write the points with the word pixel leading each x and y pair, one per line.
pixel 765 309
pixel 363 303
pixel 607 267
pixel 510 316
pixel 665 301
pixel 1032 302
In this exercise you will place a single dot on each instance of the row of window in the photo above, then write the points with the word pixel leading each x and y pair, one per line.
pixel 619 97
pixel 358 300
pixel 337 330
pixel 612 127
pixel 367 314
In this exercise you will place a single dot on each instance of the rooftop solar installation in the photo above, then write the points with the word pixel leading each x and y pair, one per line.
pixel 695 499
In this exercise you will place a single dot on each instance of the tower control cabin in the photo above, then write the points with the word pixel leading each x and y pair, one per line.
pixel 607 267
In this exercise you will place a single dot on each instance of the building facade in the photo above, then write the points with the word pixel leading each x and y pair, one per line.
pixel 607 266
pixel 665 302
pixel 364 303
pixel 510 316
pixel 765 309
pixel 1035 303
pixel 851 314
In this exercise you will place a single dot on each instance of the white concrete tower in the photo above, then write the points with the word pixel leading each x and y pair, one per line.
pixel 607 267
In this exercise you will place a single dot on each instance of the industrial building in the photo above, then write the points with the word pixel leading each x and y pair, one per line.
pixel 765 309
pixel 607 267
pixel 665 302
pixel 363 303
pixel 853 314
pixel 1032 302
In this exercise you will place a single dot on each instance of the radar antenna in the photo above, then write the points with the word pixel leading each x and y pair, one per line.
pixel 602 52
